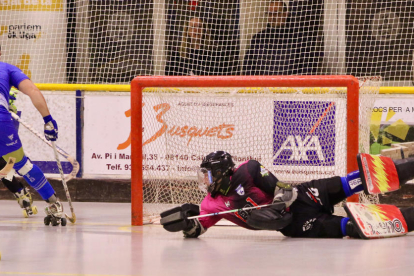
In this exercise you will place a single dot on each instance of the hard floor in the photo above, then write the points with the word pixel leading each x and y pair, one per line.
pixel 102 242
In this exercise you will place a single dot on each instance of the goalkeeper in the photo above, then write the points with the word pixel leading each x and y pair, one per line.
pixel 11 150
pixel 305 210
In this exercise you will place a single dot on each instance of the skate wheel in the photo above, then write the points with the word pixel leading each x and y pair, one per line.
pixel 46 220
pixel 54 222
pixel 25 214
pixel 34 210
pixel 63 221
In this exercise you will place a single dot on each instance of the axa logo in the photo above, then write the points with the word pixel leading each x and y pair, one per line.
pixel 188 132
pixel 299 148
pixel 304 133
pixel 10 136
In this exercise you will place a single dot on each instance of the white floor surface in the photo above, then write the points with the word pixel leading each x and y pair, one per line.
pixel 102 242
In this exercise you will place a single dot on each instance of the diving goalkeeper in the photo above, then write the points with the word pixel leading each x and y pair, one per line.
pixel 304 210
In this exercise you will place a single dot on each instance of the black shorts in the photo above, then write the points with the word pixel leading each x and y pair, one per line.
pixel 313 210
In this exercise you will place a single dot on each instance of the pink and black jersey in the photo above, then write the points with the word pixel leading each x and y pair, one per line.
pixel 252 185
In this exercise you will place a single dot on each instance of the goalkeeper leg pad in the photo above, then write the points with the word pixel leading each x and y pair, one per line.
pixel 378 174
pixel 34 177
pixel 375 221
pixel 175 219
pixel 270 218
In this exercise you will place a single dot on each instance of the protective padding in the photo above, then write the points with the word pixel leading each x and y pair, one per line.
pixel 377 220
pixel 378 174
pixel 24 166
pixel 175 219
pixel 35 178
pixel 270 218
pixel 171 211
pixel 8 166
pixel 13 185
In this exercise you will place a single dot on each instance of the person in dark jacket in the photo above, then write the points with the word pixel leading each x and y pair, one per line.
pixel 195 54
pixel 270 51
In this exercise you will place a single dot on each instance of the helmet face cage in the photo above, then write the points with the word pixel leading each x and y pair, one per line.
pixel 205 179
pixel 214 173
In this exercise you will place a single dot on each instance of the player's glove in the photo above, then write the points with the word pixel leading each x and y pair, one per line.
pixel 51 128
pixel 285 193
pixel 175 220
pixel 12 97
pixel 274 217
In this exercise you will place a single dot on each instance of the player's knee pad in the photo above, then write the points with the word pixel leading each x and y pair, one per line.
pixel 10 175
pixel 271 218
pixel 6 167
pixel 34 177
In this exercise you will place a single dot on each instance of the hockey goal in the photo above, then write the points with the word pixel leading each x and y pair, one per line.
pixel 299 127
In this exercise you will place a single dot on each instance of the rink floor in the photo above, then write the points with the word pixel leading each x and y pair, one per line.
pixel 102 242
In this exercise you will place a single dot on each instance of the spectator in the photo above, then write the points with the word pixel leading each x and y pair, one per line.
pixel 305 24
pixel 195 53
pixel 270 50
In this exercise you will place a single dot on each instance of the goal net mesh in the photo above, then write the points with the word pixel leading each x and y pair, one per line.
pixel 299 134
pixel 107 41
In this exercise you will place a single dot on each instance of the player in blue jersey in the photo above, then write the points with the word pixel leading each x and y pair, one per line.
pixel 20 192
pixel 11 149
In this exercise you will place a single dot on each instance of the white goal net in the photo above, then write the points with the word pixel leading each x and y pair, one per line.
pixel 299 134
pixel 108 41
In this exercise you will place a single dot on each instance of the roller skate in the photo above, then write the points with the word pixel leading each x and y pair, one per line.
pixel 25 200
pixel 55 215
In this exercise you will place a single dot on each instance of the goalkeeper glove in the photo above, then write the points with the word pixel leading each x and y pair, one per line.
pixel 285 193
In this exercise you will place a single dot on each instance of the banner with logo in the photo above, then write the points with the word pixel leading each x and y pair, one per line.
pixel 179 131
pixel 392 122
pixel 62 107
pixel 32 33
pixel 107 144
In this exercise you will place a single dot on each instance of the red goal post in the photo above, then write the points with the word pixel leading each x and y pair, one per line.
pixel 139 83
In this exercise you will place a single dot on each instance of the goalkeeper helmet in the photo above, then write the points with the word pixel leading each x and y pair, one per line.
pixel 214 173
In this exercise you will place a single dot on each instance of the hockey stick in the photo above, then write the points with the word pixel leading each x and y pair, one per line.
pixel 178 217
pixel 73 218
pixel 235 210
pixel 75 164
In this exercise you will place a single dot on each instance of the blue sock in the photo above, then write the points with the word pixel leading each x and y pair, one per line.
pixel 35 178
pixel 344 221
pixel 352 183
